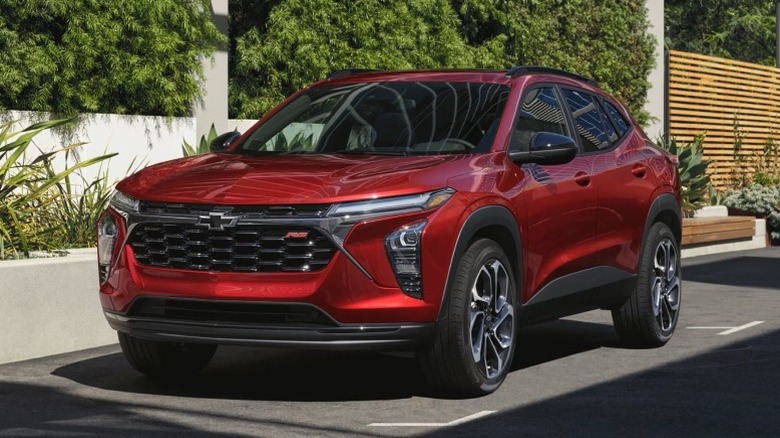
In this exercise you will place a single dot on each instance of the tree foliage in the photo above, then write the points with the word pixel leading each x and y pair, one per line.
pixel 607 41
pixel 279 46
pixel 736 29
pixel 305 40
pixel 124 57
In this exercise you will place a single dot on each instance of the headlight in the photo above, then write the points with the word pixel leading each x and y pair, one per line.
pixel 403 250
pixel 107 232
pixel 124 203
pixel 394 205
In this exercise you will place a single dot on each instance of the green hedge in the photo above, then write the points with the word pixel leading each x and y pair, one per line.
pixel 279 46
pixel 123 57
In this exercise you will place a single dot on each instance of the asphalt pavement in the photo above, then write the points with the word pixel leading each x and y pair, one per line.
pixel 718 377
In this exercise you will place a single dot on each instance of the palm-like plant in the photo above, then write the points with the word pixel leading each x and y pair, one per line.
pixel 27 186
pixel 694 180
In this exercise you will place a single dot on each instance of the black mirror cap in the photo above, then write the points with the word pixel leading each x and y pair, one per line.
pixel 547 148
pixel 222 142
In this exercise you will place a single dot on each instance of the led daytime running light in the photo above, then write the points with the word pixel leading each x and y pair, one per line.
pixel 124 203
pixel 422 201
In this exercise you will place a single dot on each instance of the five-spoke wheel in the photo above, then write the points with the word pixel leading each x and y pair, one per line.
pixel 666 285
pixel 491 319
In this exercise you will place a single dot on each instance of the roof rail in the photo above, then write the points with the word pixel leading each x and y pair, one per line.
pixel 522 70
pixel 349 72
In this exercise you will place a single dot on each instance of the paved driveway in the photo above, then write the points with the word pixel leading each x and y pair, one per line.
pixel 719 376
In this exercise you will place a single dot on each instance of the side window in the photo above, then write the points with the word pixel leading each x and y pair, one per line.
pixel 592 123
pixel 540 111
pixel 620 122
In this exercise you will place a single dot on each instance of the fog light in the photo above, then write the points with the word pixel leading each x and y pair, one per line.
pixel 107 233
pixel 403 250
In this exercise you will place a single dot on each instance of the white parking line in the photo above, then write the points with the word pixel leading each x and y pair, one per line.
pixel 451 423
pixel 742 327
pixel 728 330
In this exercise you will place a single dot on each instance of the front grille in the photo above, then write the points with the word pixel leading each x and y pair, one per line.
pixel 230 312
pixel 240 248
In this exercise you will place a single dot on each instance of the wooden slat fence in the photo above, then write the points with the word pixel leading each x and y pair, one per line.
pixel 732 101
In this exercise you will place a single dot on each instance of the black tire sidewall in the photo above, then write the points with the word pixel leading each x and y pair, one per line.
pixel 657 234
pixel 477 255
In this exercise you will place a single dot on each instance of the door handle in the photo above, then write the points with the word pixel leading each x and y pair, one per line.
pixel 639 170
pixel 582 178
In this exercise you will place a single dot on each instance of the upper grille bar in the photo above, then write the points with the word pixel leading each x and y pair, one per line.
pixel 274 211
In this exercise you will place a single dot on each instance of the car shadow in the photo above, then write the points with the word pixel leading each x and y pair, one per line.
pixel 727 391
pixel 748 271
pixel 285 375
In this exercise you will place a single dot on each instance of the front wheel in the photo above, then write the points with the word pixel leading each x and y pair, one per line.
pixel 166 360
pixel 475 340
pixel 649 317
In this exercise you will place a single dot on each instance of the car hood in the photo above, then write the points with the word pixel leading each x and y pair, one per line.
pixel 290 179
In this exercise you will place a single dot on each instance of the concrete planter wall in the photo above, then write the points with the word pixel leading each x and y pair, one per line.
pixel 50 306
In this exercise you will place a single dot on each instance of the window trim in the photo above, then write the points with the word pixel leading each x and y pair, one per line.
pixel 619 109
pixel 598 98
pixel 561 104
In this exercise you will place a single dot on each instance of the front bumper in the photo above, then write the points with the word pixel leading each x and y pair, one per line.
pixel 263 328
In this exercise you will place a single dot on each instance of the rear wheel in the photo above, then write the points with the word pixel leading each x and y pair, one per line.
pixel 475 340
pixel 650 315
pixel 166 360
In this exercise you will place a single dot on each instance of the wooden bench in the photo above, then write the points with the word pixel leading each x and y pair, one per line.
pixel 717 229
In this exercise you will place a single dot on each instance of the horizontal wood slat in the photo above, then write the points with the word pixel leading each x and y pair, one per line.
pixel 708 230
pixel 708 94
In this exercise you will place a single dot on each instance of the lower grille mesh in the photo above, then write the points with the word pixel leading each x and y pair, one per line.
pixel 229 312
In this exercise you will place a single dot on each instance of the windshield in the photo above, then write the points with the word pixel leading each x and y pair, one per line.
pixel 391 118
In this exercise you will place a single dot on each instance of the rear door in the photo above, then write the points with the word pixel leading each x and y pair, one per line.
pixel 626 179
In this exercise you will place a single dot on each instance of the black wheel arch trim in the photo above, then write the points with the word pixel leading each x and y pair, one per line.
pixel 481 219
pixel 664 202
pixel 661 204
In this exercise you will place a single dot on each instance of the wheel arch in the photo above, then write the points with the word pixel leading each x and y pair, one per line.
pixel 493 222
pixel 665 208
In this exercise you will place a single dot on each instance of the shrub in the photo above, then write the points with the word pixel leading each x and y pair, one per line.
pixel 30 188
pixel 188 150
pixel 694 181
pixel 123 57
pixel 75 209
pixel 759 200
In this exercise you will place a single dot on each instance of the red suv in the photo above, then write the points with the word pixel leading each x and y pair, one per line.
pixel 433 211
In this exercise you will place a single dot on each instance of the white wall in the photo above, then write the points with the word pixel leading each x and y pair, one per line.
pixel 138 140
pixel 241 125
pixel 213 107
pixel 656 96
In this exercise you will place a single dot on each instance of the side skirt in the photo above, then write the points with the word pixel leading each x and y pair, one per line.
pixel 601 287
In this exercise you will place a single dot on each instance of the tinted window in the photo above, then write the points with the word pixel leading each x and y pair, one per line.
pixel 404 118
pixel 540 111
pixel 593 126
pixel 620 122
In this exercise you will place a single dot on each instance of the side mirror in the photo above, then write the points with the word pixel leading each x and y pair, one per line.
pixel 222 142
pixel 547 148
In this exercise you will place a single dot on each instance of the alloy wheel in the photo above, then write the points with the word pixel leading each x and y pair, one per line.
pixel 666 285
pixel 491 319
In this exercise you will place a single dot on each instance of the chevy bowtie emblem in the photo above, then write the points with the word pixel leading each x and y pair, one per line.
pixel 217 220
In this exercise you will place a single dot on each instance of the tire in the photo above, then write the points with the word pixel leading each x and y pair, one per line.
pixel 474 344
pixel 171 361
pixel 649 317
